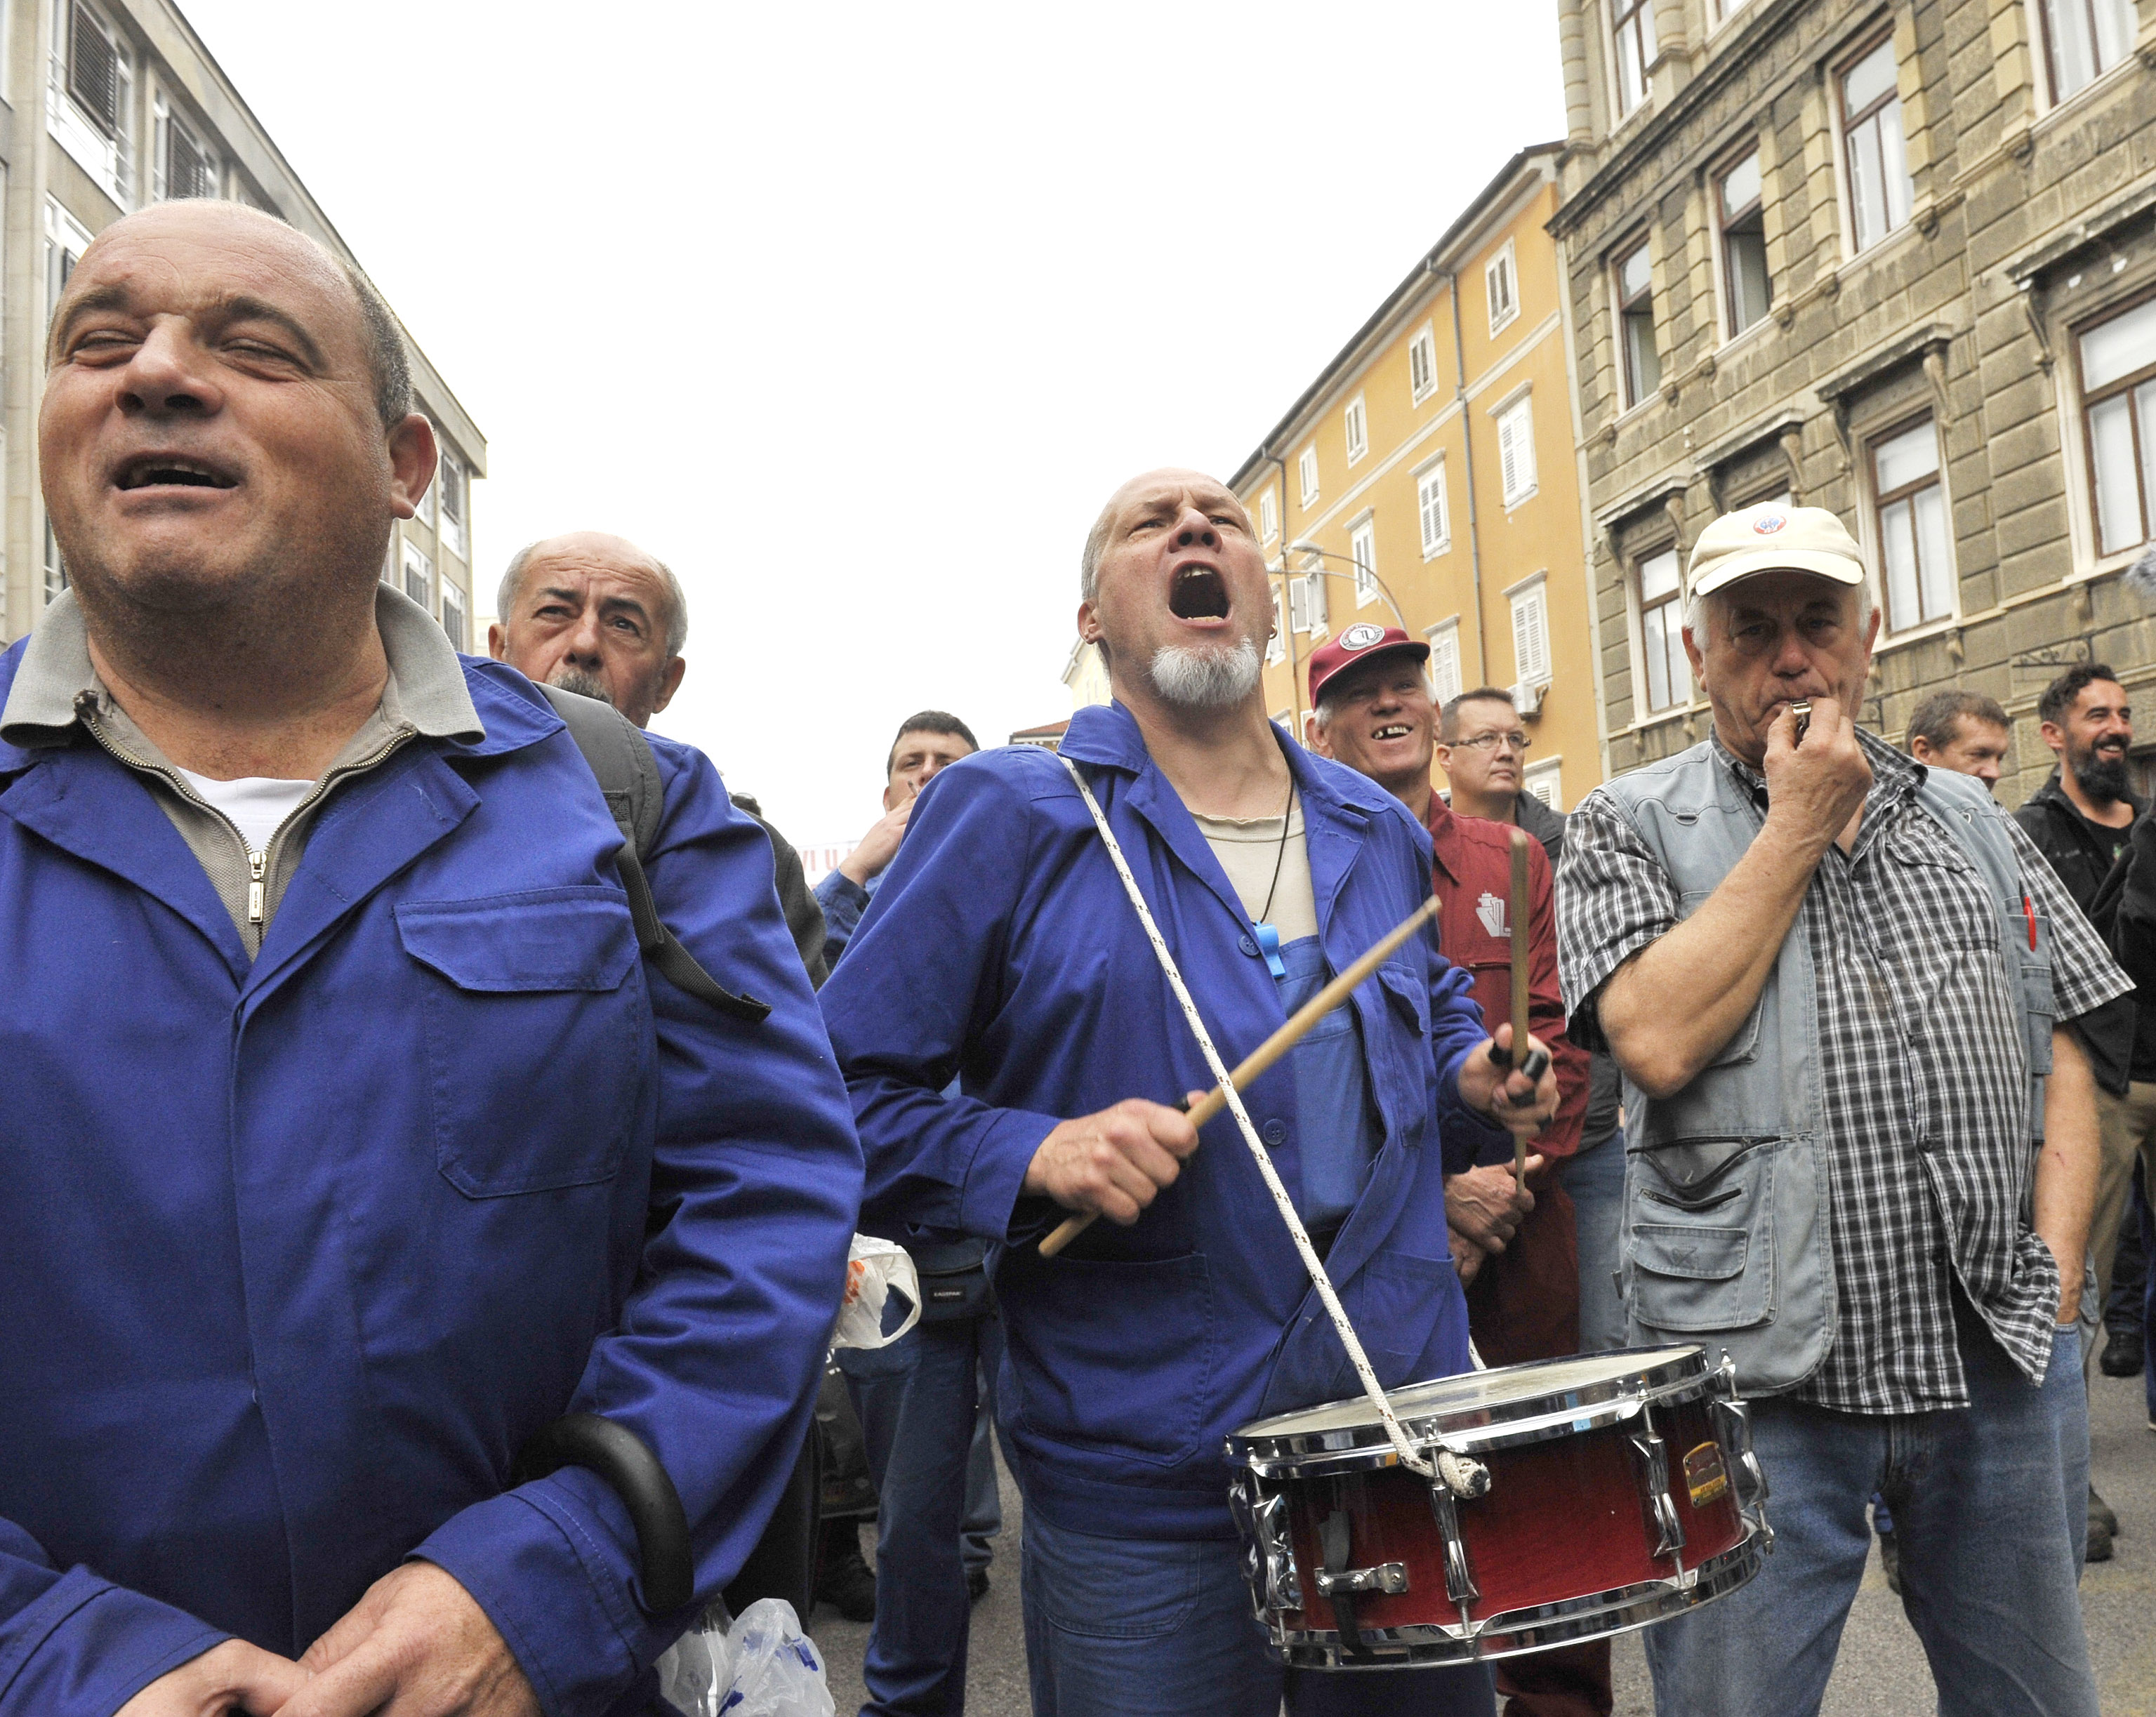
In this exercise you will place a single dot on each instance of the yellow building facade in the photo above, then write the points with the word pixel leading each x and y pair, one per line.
pixel 1430 479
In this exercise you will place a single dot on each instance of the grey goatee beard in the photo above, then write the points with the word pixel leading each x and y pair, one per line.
pixel 1205 679
pixel 585 685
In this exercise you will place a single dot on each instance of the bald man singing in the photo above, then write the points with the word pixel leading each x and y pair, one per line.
pixel 1003 950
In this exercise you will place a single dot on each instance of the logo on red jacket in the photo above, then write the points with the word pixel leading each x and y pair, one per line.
pixel 1491 909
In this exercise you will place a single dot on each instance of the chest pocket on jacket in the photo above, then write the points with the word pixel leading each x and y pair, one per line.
pixel 537 1047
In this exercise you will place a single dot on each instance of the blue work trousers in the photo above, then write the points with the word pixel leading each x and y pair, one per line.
pixel 1989 1506
pixel 918 1401
pixel 1595 1181
pixel 1147 1627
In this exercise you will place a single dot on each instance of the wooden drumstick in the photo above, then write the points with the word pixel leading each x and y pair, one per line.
pixel 1519 986
pixel 1271 1051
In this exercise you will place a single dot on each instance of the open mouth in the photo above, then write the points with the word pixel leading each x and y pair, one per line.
pixel 171 471
pixel 1200 593
pixel 1391 730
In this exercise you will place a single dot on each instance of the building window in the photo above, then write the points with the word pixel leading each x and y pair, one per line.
pixel 452 616
pixel 1500 285
pixel 1422 365
pixel 419 577
pixel 1306 600
pixel 423 506
pixel 1917 558
pixel 1446 682
pixel 1429 504
pixel 1362 550
pixel 90 95
pixel 1748 293
pixel 1268 516
pixel 2083 39
pixel 66 239
pixel 1306 470
pixel 1546 781
pixel 2118 395
pixel 1662 632
pixel 1276 645
pixel 1635 324
pixel 454 483
pixel 1531 644
pixel 1359 430
pixel 1515 451
pixel 1632 23
pixel 184 167
pixel 1880 190
pixel 56 573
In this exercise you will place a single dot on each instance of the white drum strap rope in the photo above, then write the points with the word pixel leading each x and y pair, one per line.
pixel 1410 1457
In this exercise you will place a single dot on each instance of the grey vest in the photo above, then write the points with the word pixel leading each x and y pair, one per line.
pixel 1727 1239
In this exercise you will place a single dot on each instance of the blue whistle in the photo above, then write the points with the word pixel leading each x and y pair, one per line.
pixel 1269 946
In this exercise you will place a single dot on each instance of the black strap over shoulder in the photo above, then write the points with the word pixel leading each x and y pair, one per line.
pixel 627 774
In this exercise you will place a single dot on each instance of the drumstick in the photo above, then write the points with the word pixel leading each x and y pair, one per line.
pixel 1520 985
pixel 1271 1051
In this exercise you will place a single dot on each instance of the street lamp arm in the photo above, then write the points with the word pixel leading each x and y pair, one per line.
pixel 1368 573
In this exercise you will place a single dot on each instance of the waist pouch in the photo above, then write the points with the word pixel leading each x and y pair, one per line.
pixel 954 1281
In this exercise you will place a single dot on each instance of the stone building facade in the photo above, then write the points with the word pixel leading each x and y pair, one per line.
pixel 107 106
pixel 1897 260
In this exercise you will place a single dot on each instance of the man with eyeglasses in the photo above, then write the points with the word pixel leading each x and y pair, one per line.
pixel 1483 750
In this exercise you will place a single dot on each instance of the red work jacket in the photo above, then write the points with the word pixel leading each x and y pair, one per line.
pixel 1524 1304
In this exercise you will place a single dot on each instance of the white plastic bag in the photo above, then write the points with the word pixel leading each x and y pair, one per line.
pixel 777 1671
pixel 874 1269
pixel 697 1670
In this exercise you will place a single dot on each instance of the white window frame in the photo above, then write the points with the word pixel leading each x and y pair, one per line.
pixel 66 239
pixel 422 505
pixel 1501 284
pixel 1545 778
pixel 1362 550
pixel 1630 390
pixel 1429 484
pixel 1725 308
pixel 1648 49
pixel 1355 424
pixel 168 123
pixel 56 565
pixel 1875 512
pixel 2083 489
pixel 1528 601
pixel 1643 710
pixel 1422 355
pixel 417 559
pixel 453 512
pixel 2041 41
pixel 1305 472
pixel 1846 146
pixel 1518 486
pixel 1268 514
pixel 1446 667
pixel 107 157
pixel 1276 645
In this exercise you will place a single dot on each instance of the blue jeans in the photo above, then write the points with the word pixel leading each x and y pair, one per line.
pixel 1595 1181
pixel 1989 1504
pixel 1144 1627
pixel 917 1402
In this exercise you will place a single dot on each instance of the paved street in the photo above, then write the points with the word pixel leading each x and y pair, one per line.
pixel 1881 1672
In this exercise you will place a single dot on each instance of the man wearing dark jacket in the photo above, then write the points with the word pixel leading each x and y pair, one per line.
pixel 2081 820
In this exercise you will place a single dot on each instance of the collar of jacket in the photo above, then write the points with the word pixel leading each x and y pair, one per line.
pixel 1444 842
pixel 439 693
pixel 1337 804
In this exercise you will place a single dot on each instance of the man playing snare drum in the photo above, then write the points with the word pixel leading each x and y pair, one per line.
pixel 1002 948
pixel 1834 980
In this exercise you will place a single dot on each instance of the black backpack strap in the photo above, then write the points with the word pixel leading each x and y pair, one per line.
pixel 620 757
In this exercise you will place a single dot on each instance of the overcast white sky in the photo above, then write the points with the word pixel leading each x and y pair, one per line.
pixel 855 314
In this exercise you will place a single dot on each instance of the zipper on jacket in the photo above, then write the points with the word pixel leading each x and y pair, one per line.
pixel 257 863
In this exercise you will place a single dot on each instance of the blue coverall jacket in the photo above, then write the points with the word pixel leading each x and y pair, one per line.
pixel 296 1255
pixel 1001 949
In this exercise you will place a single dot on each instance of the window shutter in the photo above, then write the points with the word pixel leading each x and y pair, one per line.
pixel 93 68
pixel 1298 604
pixel 1515 450
pixel 1430 494
pixel 453 487
pixel 1445 665
pixel 1531 652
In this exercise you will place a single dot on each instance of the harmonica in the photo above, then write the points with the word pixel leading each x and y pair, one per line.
pixel 1802 709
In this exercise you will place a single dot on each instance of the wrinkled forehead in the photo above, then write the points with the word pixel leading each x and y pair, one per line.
pixel 1971 731
pixel 1159 489
pixel 2100 695
pixel 1480 716
pixel 1395 670
pixel 1788 594
pixel 163 262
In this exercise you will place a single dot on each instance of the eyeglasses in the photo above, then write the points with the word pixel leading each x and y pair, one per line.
pixel 1490 741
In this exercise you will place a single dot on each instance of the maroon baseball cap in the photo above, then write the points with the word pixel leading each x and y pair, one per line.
pixel 1358 642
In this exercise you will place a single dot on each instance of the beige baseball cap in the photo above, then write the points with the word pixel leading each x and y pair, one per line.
pixel 1772 538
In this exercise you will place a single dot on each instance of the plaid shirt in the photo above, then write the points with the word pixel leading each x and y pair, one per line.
pixel 1924 1078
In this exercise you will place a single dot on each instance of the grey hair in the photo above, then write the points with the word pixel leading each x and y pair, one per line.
pixel 677 603
pixel 1089 559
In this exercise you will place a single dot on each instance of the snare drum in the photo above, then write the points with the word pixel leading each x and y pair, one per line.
pixel 1577 1497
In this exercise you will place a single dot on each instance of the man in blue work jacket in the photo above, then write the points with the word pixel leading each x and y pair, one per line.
pixel 347 1142
pixel 1001 950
